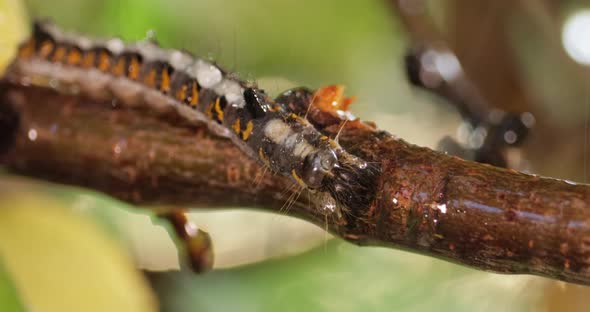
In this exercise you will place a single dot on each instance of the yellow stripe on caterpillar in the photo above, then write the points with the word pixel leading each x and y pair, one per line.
pixel 263 157
pixel 181 93
pixel 46 48
pixel 59 55
pixel 194 101
pixel 236 126
pixel 134 67
pixel 150 79
pixel 88 59
pixel 165 81
pixel 248 131
pixel 298 179
pixel 218 109
pixel 26 50
pixel 104 61
pixel 119 68
pixel 74 57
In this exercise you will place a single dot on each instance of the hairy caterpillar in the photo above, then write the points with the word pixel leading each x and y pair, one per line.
pixel 199 91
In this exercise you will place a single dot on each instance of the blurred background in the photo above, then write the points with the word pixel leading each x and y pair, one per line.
pixel 67 249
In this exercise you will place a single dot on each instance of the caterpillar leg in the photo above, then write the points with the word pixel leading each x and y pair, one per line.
pixel 296 100
pixel 197 246
pixel 323 108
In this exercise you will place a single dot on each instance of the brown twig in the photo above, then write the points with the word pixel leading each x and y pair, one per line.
pixel 133 155
pixel 488 77
pixel 427 202
pixel 445 65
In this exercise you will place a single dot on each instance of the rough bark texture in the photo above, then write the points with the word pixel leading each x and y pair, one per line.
pixel 495 219
pixel 485 217
pixel 131 154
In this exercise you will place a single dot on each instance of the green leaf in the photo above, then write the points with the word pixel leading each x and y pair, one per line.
pixel 342 277
pixel 9 298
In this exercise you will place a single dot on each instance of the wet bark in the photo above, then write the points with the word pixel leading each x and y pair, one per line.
pixel 489 218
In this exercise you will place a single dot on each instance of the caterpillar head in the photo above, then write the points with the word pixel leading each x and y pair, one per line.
pixel 317 166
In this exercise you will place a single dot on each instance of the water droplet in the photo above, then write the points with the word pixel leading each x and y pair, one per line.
pixel 463 132
pixel 151 35
pixel 115 45
pixel 329 206
pixel 190 228
pixel 430 76
pixel 528 119
pixel 510 137
pixel 477 138
pixel 25 81
pixel 53 83
pixel 448 66
pixel 442 208
pixel 575 36
pixel 119 146
pixel 32 134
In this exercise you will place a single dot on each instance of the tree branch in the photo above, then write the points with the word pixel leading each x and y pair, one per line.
pixel 449 72
pixel 427 202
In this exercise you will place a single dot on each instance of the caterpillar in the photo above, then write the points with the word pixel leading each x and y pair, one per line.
pixel 201 92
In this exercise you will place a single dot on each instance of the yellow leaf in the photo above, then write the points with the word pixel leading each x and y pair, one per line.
pixel 62 261
pixel 14 27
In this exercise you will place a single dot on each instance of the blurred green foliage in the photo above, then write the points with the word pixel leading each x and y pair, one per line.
pixel 312 43
pixel 306 40
pixel 9 298
pixel 341 277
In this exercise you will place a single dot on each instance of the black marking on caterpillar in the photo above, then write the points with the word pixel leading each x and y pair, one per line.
pixel 199 91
